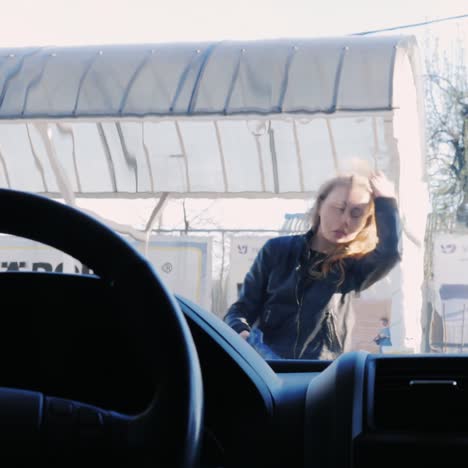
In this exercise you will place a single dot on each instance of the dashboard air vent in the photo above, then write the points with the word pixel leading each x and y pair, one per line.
pixel 426 394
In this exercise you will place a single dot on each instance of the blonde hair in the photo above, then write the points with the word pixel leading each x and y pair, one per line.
pixel 364 242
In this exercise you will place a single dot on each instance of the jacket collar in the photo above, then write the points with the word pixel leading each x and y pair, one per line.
pixel 308 235
pixel 305 248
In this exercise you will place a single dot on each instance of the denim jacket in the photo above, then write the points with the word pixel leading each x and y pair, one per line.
pixel 303 319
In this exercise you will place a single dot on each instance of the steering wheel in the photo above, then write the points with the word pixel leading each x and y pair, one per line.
pixel 168 431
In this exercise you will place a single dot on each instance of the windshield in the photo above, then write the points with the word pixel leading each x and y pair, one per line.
pixel 310 193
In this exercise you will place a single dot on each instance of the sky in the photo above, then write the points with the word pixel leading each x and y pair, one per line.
pixel 71 22
pixel 66 22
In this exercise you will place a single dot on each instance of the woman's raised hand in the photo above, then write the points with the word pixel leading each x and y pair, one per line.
pixel 381 185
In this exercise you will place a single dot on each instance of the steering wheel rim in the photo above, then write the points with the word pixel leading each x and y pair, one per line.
pixel 177 407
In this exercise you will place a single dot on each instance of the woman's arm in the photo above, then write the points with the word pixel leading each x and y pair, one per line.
pixel 376 264
pixel 245 311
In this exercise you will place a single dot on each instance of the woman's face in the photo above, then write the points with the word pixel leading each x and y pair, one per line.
pixel 343 213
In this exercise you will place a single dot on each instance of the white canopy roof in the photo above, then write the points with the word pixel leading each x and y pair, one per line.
pixel 209 119
pixel 222 79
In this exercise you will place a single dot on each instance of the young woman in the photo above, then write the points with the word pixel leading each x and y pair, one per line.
pixel 298 290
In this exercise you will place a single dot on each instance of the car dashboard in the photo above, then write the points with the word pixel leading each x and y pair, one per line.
pixel 361 410
pixel 60 336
